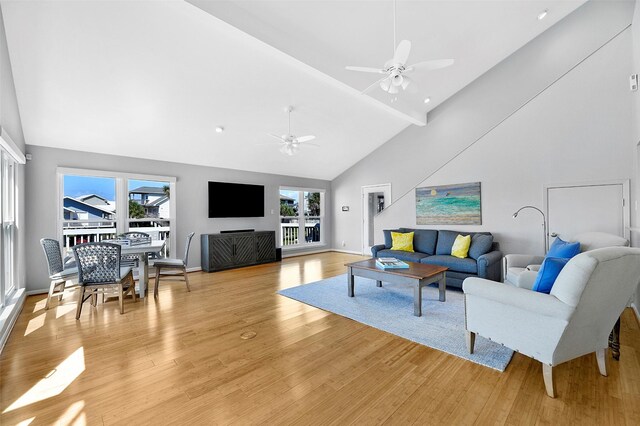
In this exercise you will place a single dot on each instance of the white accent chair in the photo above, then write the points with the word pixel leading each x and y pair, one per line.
pixel 585 302
pixel 521 270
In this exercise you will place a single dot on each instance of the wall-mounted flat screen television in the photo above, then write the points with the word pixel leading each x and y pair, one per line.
pixel 235 200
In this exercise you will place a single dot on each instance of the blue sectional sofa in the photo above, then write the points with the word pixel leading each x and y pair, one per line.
pixel 434 247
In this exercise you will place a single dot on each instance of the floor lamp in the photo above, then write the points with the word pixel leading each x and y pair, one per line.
pixel 544 224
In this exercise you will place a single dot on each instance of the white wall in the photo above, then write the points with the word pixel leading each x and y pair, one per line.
pixel 191 199
pixel 557 110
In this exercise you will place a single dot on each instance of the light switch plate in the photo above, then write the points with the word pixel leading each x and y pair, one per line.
pixel 633 82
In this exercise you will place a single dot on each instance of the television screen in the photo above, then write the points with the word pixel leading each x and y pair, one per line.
pixel 235 200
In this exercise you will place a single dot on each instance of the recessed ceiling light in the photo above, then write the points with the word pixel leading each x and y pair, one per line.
pixel 219 129
pixel 542 14
pixel 427 100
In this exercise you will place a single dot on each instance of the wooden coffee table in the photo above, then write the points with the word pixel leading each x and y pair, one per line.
pixel 417 274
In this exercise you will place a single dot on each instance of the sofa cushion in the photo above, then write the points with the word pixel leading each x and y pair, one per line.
pixel 402 255
pixel 563 249
pixel 548 274
pixel 480 244
pixel 424 240
pixel 467 265
pixel 445 241
pixel 387 236
pixel 402 241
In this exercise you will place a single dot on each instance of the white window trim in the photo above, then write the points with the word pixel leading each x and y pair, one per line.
pixel 301 218
pixel 122 197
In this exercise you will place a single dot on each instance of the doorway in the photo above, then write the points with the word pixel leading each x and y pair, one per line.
pixel 577 208
pixel 374 200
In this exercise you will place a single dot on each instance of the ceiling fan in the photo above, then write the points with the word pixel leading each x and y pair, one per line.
pixel 290 144
pixel 396 68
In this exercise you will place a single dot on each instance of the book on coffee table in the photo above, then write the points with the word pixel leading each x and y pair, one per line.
pixel 390 263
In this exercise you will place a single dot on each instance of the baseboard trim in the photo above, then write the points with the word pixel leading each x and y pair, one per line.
pixel 347 251
pixel 303 253
pixel 14 311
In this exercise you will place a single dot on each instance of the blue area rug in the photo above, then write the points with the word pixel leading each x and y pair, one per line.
pixel 390 309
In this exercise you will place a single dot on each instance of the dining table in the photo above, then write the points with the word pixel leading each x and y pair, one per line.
pixel 143 251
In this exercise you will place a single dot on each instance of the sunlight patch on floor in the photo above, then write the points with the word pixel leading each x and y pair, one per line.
pixel 39 305
pixel 26 422
pixel 54 383
pixel 35 323
pixel 63 310
pixel 74 415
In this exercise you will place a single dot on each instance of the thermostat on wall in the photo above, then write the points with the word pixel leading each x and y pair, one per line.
pixel 345 208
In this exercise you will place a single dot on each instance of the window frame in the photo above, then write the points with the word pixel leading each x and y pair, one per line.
pixel 121 219
pixel 302 218
pixel 8 194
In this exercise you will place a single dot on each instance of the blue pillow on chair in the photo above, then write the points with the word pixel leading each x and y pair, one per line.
pixel 563 249
pixel 548 273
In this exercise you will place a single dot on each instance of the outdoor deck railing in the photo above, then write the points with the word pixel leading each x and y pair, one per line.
pixel 289 233
pixel 79 235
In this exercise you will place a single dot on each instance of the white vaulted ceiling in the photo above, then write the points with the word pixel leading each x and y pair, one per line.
pixel 153 79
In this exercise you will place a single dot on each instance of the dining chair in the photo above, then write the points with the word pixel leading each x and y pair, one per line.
pixel 58 274
pixel 132 260
pixel 168 267
pixel 99 272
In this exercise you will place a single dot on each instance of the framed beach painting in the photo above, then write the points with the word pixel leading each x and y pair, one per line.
pixel 457 204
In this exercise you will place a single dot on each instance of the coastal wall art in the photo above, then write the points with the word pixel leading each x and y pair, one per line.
pixel 457 204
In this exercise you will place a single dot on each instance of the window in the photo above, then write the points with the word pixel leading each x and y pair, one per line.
pixel 8 222
pixel 98 205
pixel 149 207
pixel 301 217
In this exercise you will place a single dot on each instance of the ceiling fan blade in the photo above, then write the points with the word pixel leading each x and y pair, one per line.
pixel 276 137
pixel 365 69
pixel 406 81
pixel 311 144
pixel 431 65
pixel 402 52
pixel 374 85
pixel 306 138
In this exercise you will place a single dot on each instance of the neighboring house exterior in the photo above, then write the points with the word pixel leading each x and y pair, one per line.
pixel 287 200
pixel 76 209
pixel 97 200
pixel 154 200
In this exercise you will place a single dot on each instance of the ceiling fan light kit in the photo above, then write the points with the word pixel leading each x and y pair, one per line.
pixel 289 143
pixel 395 69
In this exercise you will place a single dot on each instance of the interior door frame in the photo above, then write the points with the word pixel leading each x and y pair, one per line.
pixel 367 189
pixel 626 206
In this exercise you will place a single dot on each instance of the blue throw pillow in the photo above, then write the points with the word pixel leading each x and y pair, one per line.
pixel 548 273
pixel 480 244
pixel 564 249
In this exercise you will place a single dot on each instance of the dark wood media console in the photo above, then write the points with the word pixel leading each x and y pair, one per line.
pixel 236 249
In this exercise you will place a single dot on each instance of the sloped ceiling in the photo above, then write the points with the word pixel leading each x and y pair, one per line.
pixel 154 79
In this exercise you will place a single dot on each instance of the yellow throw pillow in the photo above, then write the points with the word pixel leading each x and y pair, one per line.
pixel 402 241
pixel 461 246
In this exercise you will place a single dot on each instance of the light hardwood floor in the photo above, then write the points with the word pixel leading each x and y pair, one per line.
pixel 180 360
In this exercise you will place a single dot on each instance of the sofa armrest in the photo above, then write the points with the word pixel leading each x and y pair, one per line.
pixel 534 268
pixel 521 260
pixel 375 249
pixel 527 300
pixel 489 265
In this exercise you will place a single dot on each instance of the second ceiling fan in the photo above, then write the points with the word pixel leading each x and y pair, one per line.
pixel 395 70
pixel 289 143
